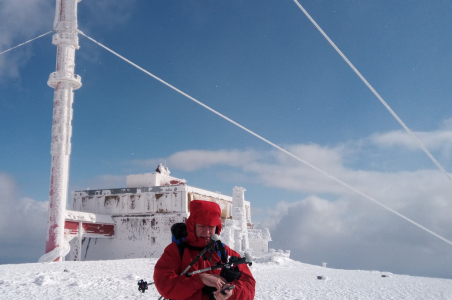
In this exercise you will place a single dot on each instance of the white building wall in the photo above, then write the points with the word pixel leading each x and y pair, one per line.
pixel 143 217
pixel 135 237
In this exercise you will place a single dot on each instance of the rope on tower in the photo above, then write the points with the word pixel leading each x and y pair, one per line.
pixel 26 42
pixel 274 145
pixel 421 145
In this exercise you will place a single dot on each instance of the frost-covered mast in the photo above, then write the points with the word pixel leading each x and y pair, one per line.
pixel 64 81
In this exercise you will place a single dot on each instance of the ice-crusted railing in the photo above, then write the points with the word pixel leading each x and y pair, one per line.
pixel 85 217
pixel 279 253
pixel 271 256
pixel 259 234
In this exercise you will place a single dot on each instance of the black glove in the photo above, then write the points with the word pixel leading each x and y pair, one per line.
pixel 209 290
pixel 231 274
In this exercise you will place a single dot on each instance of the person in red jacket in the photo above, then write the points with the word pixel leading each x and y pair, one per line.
pixel 204 221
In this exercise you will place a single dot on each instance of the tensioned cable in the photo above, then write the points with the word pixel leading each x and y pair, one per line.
pixel 373 90
pixel 26 42
pixel 272 144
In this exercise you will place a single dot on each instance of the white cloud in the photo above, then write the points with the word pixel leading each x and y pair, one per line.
pixel 320 156
pixel 438 140
pixel 107 13
pixel 192 160
pixel 353 234
pixel 315 217
pixel 23 224
pixel 21 20
pixel 106 181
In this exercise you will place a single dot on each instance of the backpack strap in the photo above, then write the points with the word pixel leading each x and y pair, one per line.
pixel 221 251
pixel 181 244
pixel 219 246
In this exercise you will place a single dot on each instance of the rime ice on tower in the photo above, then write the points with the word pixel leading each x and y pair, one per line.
pixel 64 81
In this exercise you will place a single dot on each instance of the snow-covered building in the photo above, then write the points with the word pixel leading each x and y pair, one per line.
pixel 135 221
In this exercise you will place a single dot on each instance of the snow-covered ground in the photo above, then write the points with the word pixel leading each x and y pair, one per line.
pixel 282 279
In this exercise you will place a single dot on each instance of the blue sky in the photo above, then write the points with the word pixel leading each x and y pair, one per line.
pixel 263 64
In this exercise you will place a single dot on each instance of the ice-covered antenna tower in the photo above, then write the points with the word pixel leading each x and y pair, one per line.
pixel 64 81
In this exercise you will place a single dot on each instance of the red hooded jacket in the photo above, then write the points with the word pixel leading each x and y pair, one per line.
pixel 166 273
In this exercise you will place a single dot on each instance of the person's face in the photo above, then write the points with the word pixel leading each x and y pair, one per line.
pixel 205 232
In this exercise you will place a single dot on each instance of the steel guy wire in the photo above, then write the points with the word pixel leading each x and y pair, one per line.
pixel 26 42
pixel 274 145
pixel 421 145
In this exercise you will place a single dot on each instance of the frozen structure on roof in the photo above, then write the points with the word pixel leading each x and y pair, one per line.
pixel 237 234
pixel 135 221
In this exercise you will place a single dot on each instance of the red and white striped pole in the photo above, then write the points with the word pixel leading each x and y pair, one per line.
pixel 64 81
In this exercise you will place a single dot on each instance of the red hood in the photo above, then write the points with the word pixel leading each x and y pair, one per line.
pixel 204 213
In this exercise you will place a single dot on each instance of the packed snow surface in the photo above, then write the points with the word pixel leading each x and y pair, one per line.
pixel 279 279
